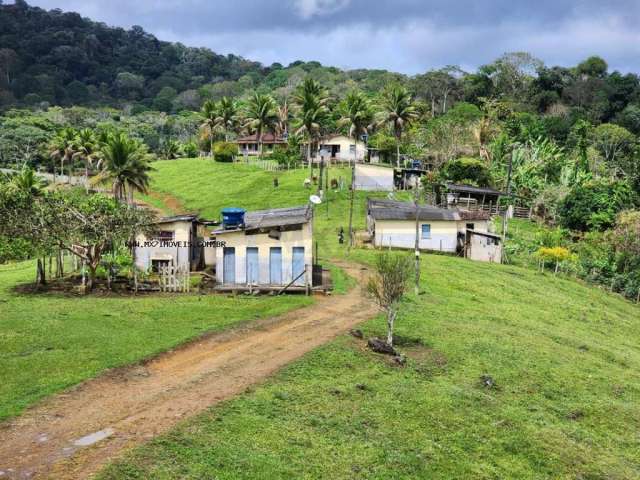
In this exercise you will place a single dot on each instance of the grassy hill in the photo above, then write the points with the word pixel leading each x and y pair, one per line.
pixel 562 359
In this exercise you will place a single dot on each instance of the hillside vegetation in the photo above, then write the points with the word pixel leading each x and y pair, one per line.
pixel 510 374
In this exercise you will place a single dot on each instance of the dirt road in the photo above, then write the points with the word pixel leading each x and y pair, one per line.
pixel 75 433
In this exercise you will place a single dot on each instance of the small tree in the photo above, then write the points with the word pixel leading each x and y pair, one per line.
pixel 389 284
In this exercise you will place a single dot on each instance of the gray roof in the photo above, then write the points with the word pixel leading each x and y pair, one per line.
pixel 275 217
pixel 471 189
pixel 187 217
pixel 394 210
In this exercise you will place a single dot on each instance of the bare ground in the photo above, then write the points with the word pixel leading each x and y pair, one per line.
pixel 75 433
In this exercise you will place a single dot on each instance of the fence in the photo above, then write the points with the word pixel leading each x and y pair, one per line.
pixel 174 279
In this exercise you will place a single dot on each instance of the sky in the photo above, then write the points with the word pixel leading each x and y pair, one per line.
pixel 408 36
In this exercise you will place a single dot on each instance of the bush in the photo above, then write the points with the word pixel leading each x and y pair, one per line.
pixel 468 171
pixel 224 151
pixel 594 205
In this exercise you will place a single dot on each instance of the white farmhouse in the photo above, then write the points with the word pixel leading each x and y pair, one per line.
pixel 393 224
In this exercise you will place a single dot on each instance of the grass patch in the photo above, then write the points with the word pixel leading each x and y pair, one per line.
pixel 50 341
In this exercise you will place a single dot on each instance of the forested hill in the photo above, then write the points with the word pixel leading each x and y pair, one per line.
pixel 63 58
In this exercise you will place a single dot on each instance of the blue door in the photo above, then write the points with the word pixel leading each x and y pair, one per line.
pixel 229 265
pixel 275 266
pixel 253 275
pixel 298 265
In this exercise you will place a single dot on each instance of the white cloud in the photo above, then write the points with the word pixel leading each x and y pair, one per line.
pixel 312 8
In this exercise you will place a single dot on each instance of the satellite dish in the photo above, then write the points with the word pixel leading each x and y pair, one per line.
pixel 391 196
pixel 315 199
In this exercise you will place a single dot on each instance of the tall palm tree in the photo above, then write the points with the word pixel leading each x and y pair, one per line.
pixel 284 115
pixel 398 111
pixel 261 116
pixel 311 101
pixel 227 116
pixel 210 113
pixel 357 116
pixel 125 166
pixel 86 148
pixel 62 149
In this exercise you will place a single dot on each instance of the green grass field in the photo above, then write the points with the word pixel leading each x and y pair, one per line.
pixel 51 341
pixel 563 358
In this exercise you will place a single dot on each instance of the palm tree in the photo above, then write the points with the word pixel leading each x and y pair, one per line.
pixel 210 114
pixel 62 148
pixel 284 115
pixel 27 181
pixel 86 148
pixel 170 149
pixel 261 115
pixel 398 111
pixel 311 100
pixel 125 166
pixel 357 115
pixel 227 116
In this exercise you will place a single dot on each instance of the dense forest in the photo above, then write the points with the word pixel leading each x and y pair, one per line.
pixel 564 140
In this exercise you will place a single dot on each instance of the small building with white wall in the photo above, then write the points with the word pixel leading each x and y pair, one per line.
pixel 266 248
pixel 179 241
pixel 340 149
pixel 374 178
pixel 393 224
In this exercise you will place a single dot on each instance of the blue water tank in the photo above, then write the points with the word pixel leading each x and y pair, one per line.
pixel 233 217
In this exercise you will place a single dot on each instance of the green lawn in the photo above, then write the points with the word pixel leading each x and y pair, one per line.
pixel 565 359
pixel 49 342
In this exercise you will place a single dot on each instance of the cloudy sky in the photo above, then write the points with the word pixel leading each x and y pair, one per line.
pixel 409 36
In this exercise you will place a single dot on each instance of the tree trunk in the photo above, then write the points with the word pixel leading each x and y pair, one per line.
pixel 91 278
pixel 391 318
pixel 309 157
pixel 398 149
pixel 40 273
pixel 86 177
pixel 211 143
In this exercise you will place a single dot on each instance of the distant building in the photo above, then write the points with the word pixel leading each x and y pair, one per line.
pixel 340 149
pixel 392 224
pixel 249 145
pixel 374 178
pixel 179 241
pixel 266 248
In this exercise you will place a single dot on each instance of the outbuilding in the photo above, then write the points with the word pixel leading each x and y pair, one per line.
pixel 393 224
pixel 179 241
pixel 266 249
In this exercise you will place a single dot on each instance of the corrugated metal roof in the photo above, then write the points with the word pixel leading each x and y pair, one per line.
pixel 471 189
pixel 394 210
pixel 275 217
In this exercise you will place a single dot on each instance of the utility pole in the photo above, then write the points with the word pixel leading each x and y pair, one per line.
pixel 504 217
pixel 416 200
pixel 353 187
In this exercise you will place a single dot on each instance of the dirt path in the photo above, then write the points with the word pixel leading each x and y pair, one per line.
pixel 75 433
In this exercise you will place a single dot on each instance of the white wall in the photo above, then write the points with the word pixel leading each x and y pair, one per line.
pixel 240 241
pixel 373 178
pixel 402 233
pixel 480 249
pixel 179 255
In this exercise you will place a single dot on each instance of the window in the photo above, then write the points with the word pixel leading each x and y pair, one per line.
pixel 426 231
pixel 165 236
pixel 470 226
pixel 156 265
pixel 352 149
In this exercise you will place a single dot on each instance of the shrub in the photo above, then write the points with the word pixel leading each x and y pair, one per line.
pixel 467 170
pixel 594 205
pixel 224 151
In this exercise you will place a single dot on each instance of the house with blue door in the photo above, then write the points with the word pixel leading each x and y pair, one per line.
pixel 265 249
pixel 393 224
